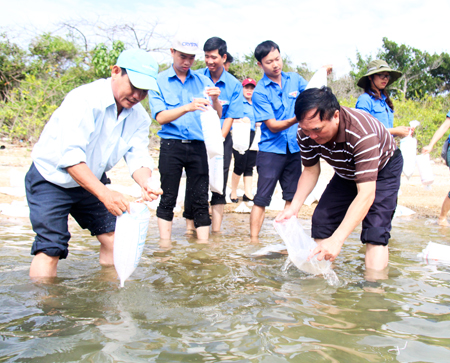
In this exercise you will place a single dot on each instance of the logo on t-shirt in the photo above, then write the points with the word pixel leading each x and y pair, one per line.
pixel 223 102
pixel 293 94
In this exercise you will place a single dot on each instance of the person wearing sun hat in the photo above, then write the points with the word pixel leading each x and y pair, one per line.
pixel 96 125
pixel 375 99
pixel 243 164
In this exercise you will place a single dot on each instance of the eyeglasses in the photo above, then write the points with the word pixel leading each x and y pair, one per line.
pixel 384 76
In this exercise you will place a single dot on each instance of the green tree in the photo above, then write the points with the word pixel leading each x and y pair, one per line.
pixel 103 58
pixel 13 66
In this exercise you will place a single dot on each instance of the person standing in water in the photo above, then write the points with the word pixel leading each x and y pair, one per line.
pixel 244 164
pixel 375 99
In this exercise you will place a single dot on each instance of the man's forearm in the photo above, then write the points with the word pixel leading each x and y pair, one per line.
pixel 87 180
pixel 277 126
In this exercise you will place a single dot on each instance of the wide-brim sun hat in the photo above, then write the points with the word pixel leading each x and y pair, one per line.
pixel 141 68
pixel 379 66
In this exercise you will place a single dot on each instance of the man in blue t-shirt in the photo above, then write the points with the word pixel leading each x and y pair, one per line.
pixel 232 100
pixel 177 109
pixel 279 154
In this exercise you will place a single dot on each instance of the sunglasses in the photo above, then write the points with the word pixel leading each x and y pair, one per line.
pixel 384 76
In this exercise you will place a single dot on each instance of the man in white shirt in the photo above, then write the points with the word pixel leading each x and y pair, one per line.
pixel 96 125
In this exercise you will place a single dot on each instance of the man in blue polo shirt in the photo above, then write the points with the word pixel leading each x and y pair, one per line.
pixel 279 154
pixel 232 100
pixel 177 108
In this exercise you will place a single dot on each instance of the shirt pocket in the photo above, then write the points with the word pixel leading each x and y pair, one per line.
pixel 172 101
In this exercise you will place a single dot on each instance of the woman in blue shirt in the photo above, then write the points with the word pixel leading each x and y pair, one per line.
pixel 375 100
pixel 243 164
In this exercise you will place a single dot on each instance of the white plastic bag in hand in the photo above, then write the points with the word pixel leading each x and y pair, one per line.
pixel 241 136
pixel 408 147
pixel 215 166
pixel 212 132
pixel 425 170
pixel 299 246
pixel 318 80
pixel 129 239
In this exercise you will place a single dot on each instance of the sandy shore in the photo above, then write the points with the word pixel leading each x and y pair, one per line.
pixel 426 202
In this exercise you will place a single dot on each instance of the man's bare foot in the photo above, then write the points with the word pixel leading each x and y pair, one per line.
pixel 442 222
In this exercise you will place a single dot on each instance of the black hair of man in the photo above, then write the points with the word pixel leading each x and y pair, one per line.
pixel 230 58
pixel 320 99
pixel 265 48
pixel 216 43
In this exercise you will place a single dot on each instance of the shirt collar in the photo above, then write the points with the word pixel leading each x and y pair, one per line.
pixel 266 80
pixel 108 96
pixel 222 76
pixel 172 73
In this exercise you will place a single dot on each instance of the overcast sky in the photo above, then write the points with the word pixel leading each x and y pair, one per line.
pixel 315 32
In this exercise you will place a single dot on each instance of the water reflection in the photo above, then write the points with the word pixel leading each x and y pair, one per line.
pixel 195 302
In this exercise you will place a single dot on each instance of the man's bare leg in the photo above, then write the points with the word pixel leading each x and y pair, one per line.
pixel 256 220
pixel 190 227
pixel 106 248
pixel 165 229
pixel 377 257
pixel 43 266
pixel 442 221
pixel 234 185
pixel 248 183
pixel 203 233
pixel 216 217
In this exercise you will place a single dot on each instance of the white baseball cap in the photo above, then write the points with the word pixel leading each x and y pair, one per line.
pixel 186 44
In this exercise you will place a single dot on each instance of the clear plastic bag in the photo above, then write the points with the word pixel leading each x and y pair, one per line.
pixel 241 136
pixel 212 132
pixel 299 245
pixel 425 170
pixel 318 80
pixel 408 147
pixel 435 252
pixel 129 239
pixel 215 167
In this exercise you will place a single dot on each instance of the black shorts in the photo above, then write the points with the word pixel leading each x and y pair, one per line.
pixel 272 168
pixel 244 163
pixel 340 193
pixel 50 206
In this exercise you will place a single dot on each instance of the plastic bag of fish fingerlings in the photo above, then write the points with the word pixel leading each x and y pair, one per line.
pixel 129 239
pixel 299 245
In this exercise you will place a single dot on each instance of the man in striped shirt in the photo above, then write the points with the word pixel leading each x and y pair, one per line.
pixel 367 167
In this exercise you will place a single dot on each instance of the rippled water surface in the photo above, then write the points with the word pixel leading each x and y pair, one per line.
pixel 192 302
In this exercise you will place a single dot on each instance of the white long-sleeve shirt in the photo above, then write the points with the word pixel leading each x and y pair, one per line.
pixel 85 128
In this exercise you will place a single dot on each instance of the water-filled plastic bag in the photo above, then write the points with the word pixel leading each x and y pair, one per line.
pixel 241 136
pixel 408 147
pixel 425 170
pixel 299 246
pixel 215 167
pixel 212 132
pixel 318 80
pixel 435 252
pixel 129 239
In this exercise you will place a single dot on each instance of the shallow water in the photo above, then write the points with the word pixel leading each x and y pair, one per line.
pixel 192 302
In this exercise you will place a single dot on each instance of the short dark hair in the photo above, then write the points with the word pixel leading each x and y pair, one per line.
pixel 321 99
pixel 216 43
pixel 124 71
pixel 230 58
pixel 265 48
